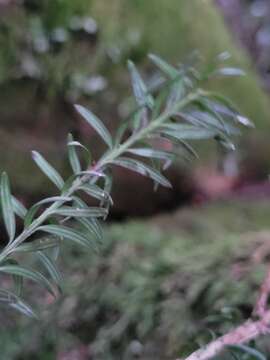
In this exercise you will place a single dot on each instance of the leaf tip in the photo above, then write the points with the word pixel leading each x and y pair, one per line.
pixel 79 108
pixel 245 121
pixel 4 174
pixel 34 154
pixel 130 65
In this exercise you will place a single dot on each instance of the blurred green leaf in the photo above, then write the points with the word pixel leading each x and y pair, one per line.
pixel 12 300
pixel 142 169
pixel 48 170
pixel 38 245
pixel 78 212
pixel 91 224
pixel 166 68
pixel 230 71
pixel 248 350
pixel 18 208
pixel 32 211
pixel 50 266
pixel 30 274
pixel 142 96
pixel 96 124
pixel 189 132
pixel 95 191
pixel 67 233
pixel 73 156
pixel 152 153
pixel 7 207
pixel 230 107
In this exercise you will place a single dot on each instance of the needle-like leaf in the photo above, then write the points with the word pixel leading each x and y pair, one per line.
pixel 142 96
pixel 29 274
pixel 96 123
pixel 142 169
pixel 48 170
pixel 66 233
pixel 7 207
pixel 73 156
pixel 78 212
pixel 50 266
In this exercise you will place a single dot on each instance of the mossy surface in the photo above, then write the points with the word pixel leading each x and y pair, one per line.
pixel 159 285
pixel 174 29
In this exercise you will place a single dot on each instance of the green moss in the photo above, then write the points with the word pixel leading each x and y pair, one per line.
pixel 174 29
pixel 161 283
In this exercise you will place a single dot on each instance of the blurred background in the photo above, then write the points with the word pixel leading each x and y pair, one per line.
pixel 150 292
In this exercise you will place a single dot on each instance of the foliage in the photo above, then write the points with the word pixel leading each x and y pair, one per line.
pixel 36 42
pixel 176 110
pixel 89 69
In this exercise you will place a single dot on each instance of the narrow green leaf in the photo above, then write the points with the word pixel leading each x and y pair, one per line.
pixel 108 182
pixel 32 211
pixel 48 170
pixel 12 300
pixel 67 233
pixel 92 224
pixel 18 280
pixel 24 309
pixel 120 132
pixel 7 207
pixel 166 68
pixel 230 106
pixel 205 119
pixel 143 97
pixel 203 104
pixel 73 156
pixel 142 169
pixel 140 119
pixel 29 274
pixel 41 244
pixel 177 92
pixel 180 142
pixel 86 153
pixel 126 124
pixel 152 153
pixel 229 71
pixel 78 212
pixel 96 124
pixel 18 208
pixel 91 175
pixel 189 132
pixel 54 252
pixel 176 87
pixel 51 268
pixel 160 101
pixel 96 192
pixel 234 355
pixel 248 350
pixel 225 142
pixel 92 227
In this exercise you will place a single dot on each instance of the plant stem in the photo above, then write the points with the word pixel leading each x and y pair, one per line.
pixel 114 154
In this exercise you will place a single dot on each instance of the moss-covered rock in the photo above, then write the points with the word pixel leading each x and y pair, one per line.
pixel 174 29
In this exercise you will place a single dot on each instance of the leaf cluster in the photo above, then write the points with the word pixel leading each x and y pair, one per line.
pixel 173 112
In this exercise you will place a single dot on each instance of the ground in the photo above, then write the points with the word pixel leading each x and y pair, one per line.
pixel 152 288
